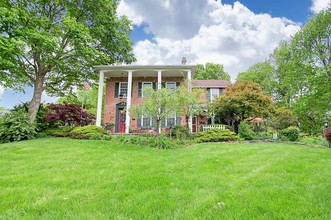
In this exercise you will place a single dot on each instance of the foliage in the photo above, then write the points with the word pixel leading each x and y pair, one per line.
pixel 52 45
pixel 15 126
pixel 246 132
pixel 211 71
pixel 86 98
pixel 87 132
pixel 216 135
pixel 313 140
pixel 242 100
pixel 160 141
pixel 181 132
pixel 283 118
pixel 261 73
pixel 69 114
pixel 41 123
pixel 59 131
pixel 290 133
pixel 163 102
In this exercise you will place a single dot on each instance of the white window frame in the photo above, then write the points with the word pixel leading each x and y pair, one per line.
pixel 170 83
pixel 174 116
pixel 120 88
pixel 212 97
pixel 142 122
pixel 142 87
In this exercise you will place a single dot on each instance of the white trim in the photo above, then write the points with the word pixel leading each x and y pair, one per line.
pixel 120 88
pixel 128 103
pixel 211 95
pixel 166 84
pixel 159 79
pixel 100 96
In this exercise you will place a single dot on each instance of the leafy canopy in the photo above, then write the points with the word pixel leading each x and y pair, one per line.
pixel 211 71
pixel 52 45
pixel 242 100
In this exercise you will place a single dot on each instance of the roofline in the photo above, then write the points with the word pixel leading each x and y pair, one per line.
pixel 144 67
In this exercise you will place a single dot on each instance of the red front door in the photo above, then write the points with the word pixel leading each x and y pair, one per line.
pixel 194 124
pixel 121 120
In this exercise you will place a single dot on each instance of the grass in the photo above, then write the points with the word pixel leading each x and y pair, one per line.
pixel 71 179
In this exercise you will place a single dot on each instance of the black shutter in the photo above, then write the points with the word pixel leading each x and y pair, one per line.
pixel 178 118
pixel 139 122
pixel 116 90
pixel 140 85
pixel 177 84
pixel 153 122
pixel 208 94
pixel 163 84
pixel 154 86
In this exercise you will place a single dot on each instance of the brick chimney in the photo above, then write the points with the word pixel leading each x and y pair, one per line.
pixel 183 60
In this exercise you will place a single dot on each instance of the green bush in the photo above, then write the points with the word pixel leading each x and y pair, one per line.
pixel 59 132
pixel 246 132
pixel 181 132
pixel 15 126
pixel 160 141
pixel 216 135
pixel 290 133
pixel 87 132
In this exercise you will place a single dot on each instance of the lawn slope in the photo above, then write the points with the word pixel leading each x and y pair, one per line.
pixel 63 178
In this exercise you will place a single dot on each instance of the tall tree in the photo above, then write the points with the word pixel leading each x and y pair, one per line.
pixel 242 100
pixel 51 44
pixel 211 71
pixel 261 73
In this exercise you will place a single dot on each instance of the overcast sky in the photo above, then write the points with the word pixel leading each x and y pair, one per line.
pixel 236 34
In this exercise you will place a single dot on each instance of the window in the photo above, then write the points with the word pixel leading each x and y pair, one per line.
pixel 214 93
pixel 122 89
pixel 145 85
pixel 170 85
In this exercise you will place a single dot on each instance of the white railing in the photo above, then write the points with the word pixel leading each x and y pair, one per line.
pixel 208 127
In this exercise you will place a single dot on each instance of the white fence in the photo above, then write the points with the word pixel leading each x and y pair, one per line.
pixel 208 127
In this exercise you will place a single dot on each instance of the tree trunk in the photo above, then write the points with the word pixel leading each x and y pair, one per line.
pixel 36 99
pixel 158 126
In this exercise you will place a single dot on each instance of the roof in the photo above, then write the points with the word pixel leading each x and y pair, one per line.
pixel 211 83
pixel 146 70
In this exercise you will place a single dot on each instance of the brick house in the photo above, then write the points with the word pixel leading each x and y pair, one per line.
pixel 124 88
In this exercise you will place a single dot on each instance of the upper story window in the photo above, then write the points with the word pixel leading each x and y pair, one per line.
pixel 144 86
pixel 214 93
pixel 122 89
pixel 170 85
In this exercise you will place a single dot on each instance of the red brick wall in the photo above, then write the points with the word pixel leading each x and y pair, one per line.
pixel 111 101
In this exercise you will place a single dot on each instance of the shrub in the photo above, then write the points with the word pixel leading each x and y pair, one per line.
pixel 160 142
pixel 68 114
pixel 290 133
pixel 59 132
pixel 181 132
pixel 87 132
pixel 216 135
pixel 246 132
pixel 15 126
pixel 40 122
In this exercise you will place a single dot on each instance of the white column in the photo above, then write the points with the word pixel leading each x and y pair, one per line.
pixel 100 97
pixel 159 86
pixel 159 79
pixel 128 102
pixel 189 82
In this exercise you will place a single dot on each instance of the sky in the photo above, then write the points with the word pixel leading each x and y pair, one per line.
pixel 236 34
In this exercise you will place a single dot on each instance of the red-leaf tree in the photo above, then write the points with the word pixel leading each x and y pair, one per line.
pixel 69 114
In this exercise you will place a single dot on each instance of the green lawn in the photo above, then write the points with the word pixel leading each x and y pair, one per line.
pixel 70 179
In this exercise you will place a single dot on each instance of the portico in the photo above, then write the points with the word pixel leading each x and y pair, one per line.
pixel 124 84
